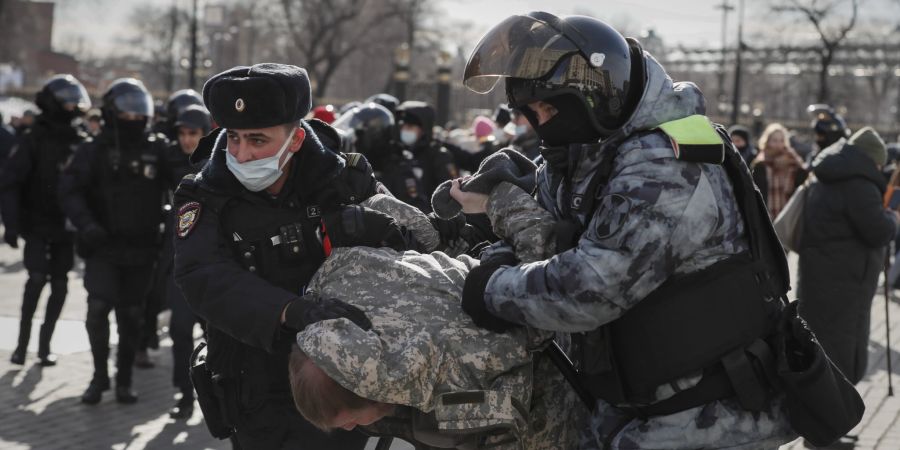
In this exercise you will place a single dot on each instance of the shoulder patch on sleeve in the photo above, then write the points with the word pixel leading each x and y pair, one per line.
pixel 188 215
pixel 613 212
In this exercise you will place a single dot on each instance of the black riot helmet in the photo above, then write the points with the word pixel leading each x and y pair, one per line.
pixel 127 96
pixel 179 100
pixel 63 97
pixel 387 100
pixel 195 116
pixel 827 125
pixel 370 128
pixel 573 60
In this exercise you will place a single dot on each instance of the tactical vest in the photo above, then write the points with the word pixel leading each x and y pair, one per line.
pixel 127 193
pixel 713 321
pixel 48 152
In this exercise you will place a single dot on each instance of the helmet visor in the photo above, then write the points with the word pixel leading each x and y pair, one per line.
pixel 73 97
pixel 134 102
pixel 519 47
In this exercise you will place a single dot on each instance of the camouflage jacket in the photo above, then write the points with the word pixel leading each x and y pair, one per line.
pixel 424 352
pixel 655 217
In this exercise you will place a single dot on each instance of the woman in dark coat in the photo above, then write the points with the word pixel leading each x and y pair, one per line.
pixel 846 229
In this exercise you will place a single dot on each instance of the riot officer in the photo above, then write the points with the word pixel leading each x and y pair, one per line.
pixel 112 191
pixel 29 203
pixel 667 269
pixel 387 100
pixel 415 121
pixel 253 226
pixel 371 128
pixel 175 105
pixel 192 124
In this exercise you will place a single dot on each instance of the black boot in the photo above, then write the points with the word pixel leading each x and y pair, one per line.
pixel 18 356
pixel 124 394
pixel 94 392
pixel 47 358
pixel 184 408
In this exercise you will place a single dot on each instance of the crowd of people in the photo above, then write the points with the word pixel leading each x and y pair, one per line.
pixel 562 274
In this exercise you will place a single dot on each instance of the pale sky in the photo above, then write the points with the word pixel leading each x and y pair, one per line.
pixel 100 26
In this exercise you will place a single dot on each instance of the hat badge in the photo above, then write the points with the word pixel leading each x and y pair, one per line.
pixel 239 105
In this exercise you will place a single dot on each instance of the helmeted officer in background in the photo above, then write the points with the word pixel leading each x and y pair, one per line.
pixel 28 200
pixel 253 226
pixel 415 121
pixel 387 100
pixel 370 129
pixel 192 124
pixel 112 191
pixel 175 105
pixel 653 271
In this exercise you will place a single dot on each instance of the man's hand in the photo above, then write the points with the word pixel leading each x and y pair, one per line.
pixel 473 300
pixel 311 308
pixel 356 225
pixel 471 202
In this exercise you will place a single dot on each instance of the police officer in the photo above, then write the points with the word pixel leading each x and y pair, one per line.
pixel 371 131
pixel 253 226
pixel 175 105
pixel 667 268
pixel 387 100
pixel 192 124
pixel 415 121
pixel 29 203
pixel 112 191
pixel 827 126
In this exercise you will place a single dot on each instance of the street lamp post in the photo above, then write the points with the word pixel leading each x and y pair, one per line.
pixel 192 74
pixel 443 87
pixel 735 110
pixel 401 70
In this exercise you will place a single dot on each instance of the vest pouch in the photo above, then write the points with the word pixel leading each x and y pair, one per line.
pixel 210 395
pixel 686 325
pixel 494 416
pixel 598 371
pixel 821 404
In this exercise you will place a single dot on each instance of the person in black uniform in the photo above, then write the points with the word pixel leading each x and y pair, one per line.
pixel 28 186
pixel 415 121
pixel 370 130
pixel 253 226
pixel 112 191
pixel 192 124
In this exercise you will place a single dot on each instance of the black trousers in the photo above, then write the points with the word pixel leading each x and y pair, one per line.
pixel 181 330
pixel 45 261
pixel 122 288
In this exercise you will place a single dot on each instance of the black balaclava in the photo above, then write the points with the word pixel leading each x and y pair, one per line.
pixel 570 125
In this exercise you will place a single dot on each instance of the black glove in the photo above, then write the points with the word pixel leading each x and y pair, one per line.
pixel 94 236
pixel 355 225
pixel 473 300
pixel 478 229
pixel 11 237
pixel 448 229
pixel 311 308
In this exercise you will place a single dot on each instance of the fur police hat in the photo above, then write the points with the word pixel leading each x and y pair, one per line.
pixel 261 96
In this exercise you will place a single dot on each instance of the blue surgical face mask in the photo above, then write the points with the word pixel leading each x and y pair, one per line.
pixel 521 129
pixel 260 173
pixel 408 137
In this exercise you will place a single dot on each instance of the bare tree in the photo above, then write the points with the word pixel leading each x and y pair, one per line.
pixel 326 33
pixel 817 12
pixel 158 30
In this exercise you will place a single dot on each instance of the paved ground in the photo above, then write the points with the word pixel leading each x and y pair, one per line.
pixel 40 408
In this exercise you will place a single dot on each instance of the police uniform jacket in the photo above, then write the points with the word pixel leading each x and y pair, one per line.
pixel 30 179
pixel 229 269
